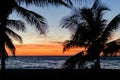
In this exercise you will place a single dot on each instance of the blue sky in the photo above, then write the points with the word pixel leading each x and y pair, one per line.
pixel 54 15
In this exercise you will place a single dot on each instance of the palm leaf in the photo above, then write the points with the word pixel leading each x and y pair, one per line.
pixel 97 4
pixel 80 38
pixel 99 21
pixel 66 3
pixel 69 22
pixel 16 24
pixel 72 61
pixel 9 44
pixel 70 44
pixel 78 61
pixel 113 24
pixel 74 44
pixel 34 19
pixel 111 48
pixel 87 15
pixel 14 35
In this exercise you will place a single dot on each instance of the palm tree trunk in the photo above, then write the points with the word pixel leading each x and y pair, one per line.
pixel 94 53
pixel 5 10
pixel 3 61
pixel 97 63
pixel 2 49
pixel 2 42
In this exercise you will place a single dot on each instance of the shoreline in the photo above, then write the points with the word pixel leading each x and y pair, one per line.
pixel 55 74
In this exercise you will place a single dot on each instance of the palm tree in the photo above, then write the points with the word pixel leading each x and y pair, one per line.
pixel 11 24
pixel 92 32
pixel 8 6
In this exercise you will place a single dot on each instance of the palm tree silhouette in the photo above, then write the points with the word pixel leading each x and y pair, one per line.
pixel 6 40
pixel 39 22
pixel 90 31
pixel 111 48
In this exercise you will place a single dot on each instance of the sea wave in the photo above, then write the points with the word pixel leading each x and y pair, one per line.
pixel 54 62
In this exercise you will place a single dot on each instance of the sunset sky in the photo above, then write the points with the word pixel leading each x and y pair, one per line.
pixel 51 44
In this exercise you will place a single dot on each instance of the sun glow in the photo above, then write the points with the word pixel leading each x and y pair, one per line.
pixel 43 50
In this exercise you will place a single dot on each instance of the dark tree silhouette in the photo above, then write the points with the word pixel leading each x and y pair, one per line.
pixel 112 48
pixel 91 31
pixel 7 42
pixel 40 23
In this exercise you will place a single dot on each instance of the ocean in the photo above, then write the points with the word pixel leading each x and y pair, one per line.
pixel 53 62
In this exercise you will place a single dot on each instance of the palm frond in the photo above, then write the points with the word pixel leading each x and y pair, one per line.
pixel 97 4
pixel 66 3
pixel 74 44
pixel 73 61
pixel 16 24
pixel 114 24
pixel 98 12
pixel 82 32
pixel 70 44
pixel 87 15
pixel 78 61
pixel 69 22
pixel 9 44
pixel 99 22
pixel 34 19
pixel 111 48
pixel 73 22
pixel 14 35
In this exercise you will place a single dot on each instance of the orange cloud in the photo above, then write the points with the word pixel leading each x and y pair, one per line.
pixel 43 50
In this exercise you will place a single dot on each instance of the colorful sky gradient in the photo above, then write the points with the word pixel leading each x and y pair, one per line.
pixel 51 44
